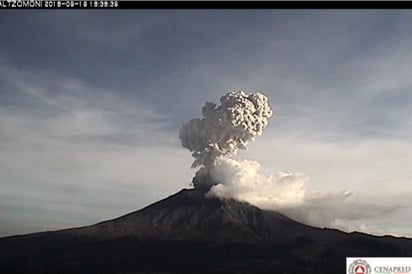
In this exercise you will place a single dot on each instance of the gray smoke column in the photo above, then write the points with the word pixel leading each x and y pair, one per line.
pixel 224 130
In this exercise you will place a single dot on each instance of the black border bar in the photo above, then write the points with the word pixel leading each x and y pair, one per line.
pixel 266 4
pixel 122 4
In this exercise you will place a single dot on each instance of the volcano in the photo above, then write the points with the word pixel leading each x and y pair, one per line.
pixel 190 233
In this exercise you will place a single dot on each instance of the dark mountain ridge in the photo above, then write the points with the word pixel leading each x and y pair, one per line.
pixel 188 233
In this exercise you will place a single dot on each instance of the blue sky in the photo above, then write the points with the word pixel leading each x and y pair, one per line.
pixel 91 103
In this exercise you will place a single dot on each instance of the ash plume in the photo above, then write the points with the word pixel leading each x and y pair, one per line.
pixel 224 130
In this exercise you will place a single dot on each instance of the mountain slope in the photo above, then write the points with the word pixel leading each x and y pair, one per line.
pixel 188 233
pixel 188 215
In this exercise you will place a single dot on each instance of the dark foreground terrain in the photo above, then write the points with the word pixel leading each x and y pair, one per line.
pixel 187 233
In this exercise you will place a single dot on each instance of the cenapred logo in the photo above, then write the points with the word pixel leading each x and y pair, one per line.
pixel 379 265
pixel 359 266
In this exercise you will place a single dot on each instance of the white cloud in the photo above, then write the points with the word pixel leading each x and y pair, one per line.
pixel 376 171
pixel 289 193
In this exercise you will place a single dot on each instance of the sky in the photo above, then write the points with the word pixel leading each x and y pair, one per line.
pixel 91 103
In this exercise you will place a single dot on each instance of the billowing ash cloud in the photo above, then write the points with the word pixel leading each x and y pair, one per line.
pixel 243 181
pixel 288 193
pixel 225 129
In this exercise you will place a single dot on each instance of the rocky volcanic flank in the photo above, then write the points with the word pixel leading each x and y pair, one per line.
pixel 189 233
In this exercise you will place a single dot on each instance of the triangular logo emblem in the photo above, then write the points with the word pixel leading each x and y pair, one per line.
pixel 360 269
